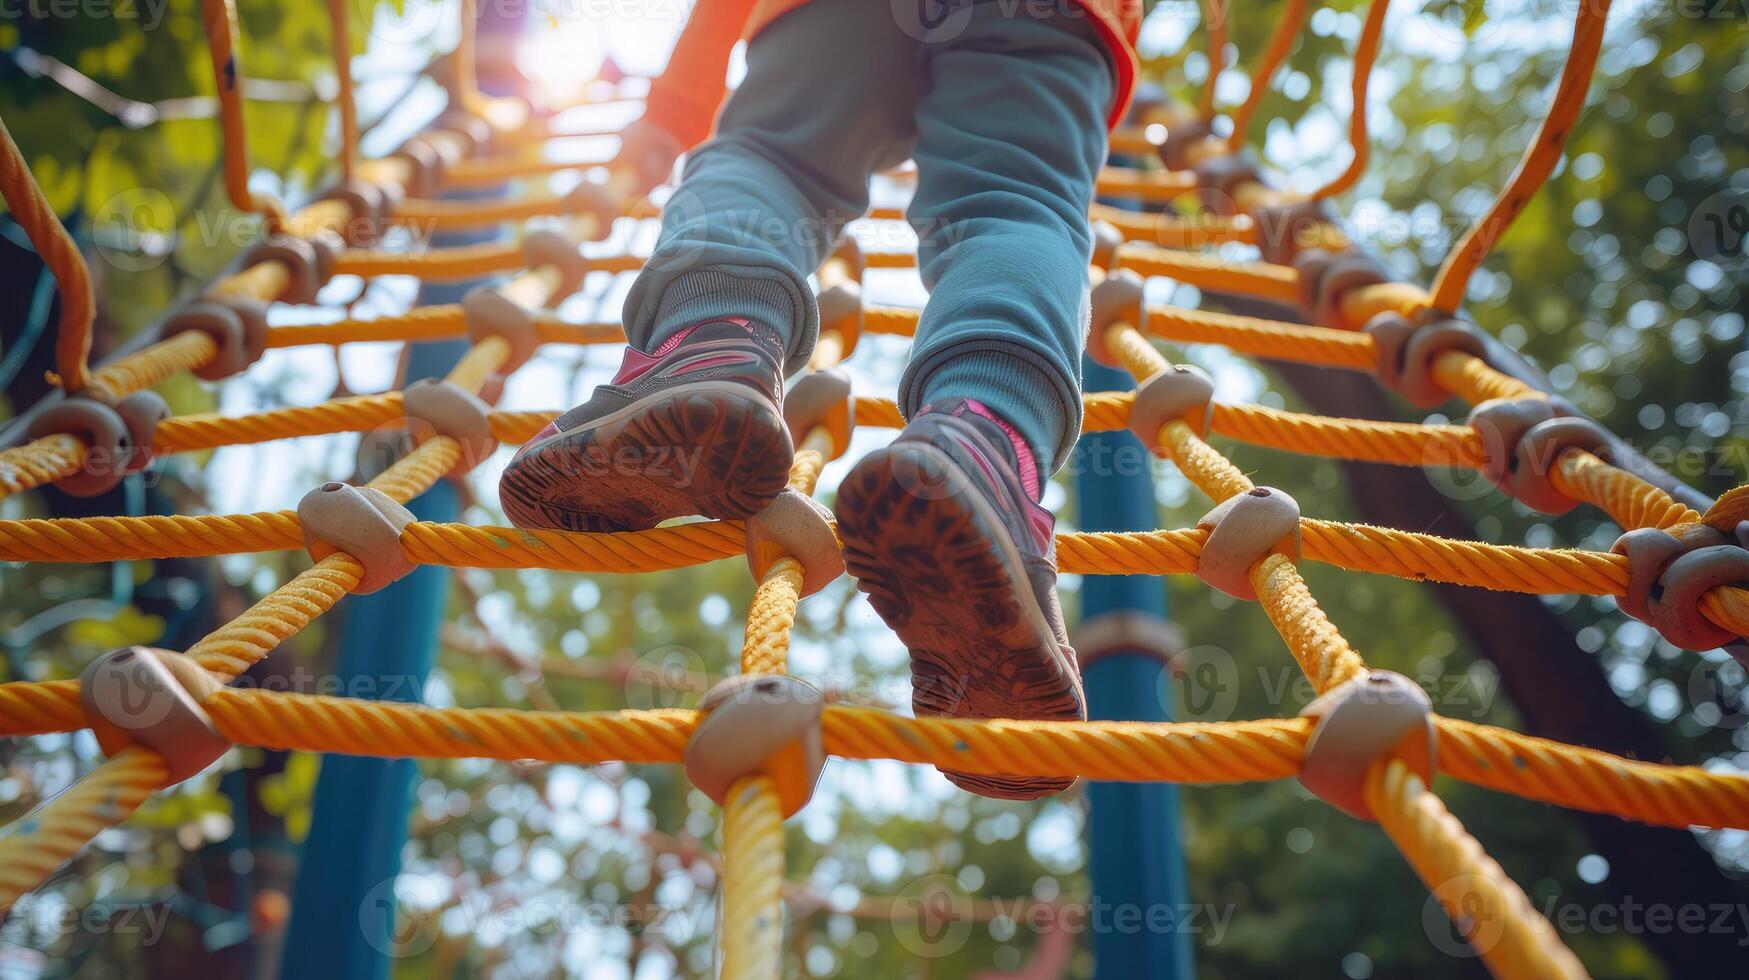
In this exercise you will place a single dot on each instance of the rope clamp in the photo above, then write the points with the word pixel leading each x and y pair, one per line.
pixel 1361 723
pixel 238 329
pixel 1107 239
pixel 1325 276
pixel 1539 451
pixel 152 697
pixel 596 201
pixel 1670 570
pixel 840 309
pixel 1406 349
pixel 492 314
pixel 369 206
pixel 821 400
pixel 109 443
pixel 1500 425
pixel 759 725
pixel 310 261
pixel 1282 228
pixel 1117 299
pixel 1182 134
pixel 1243 530
pixel 363 522
pixel 1178 394
pixel 548 247
pixel 1219 178
pixel 797 526
pixel 434 406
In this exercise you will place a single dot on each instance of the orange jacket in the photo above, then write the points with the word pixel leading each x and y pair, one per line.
pixel 684 99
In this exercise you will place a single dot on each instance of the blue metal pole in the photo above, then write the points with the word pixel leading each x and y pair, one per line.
pixel 1137 859
pixel 343 909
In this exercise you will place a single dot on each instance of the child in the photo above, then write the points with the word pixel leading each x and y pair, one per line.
pixel 1004 105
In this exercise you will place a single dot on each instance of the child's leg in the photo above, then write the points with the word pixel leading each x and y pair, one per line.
pixel 943 529
pixel 829 97
pixel 1010 140
pixel 692 423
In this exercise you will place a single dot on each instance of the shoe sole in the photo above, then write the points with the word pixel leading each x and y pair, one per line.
pixel 711 448
pixel 941 570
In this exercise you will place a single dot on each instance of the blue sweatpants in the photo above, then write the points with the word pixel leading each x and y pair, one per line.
pixel 1001 104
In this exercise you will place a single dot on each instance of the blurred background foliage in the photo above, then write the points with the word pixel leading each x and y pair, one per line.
pixel 528 871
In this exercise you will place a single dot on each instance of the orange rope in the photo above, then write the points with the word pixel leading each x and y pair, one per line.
pixel 340 25
pixel 1366 53
pixel 1538 162
pixel 1281 42
pixel 60 255
pixel 219 17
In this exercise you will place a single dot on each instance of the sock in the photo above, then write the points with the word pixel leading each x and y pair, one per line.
pixel 1014 389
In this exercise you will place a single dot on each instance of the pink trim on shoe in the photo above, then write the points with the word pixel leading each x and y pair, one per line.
pixel 1029 477
pixel 637 362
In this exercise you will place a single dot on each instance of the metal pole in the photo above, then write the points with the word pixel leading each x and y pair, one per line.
pixel 1137 859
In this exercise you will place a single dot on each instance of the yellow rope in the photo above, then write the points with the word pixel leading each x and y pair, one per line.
pixel 1487 908
pixel 53 833
pixel 38 462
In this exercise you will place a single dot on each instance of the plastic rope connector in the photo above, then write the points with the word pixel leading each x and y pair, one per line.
pixel 1406 349
pixel 362 522
pixel 307 260
pixel 1243 530
pixel 1282 228
pixel 797 526
pixel 546 247
pixel 1500 425
pixel 1326 275
pixel 1107 240
pixel 229 334
pixel 437 407
pixel 369 207
pixel 1218 179
pixel 1360 723
pixel 1538 453
pixel 1179 393
pixel 1181 135
pixel 109 445
pixel 821 400
pixel 759 725
pixel 150 697
pixel 1118 299
pixel 1668 572
pixel 141 412
pixel 841 312
pixel 492 314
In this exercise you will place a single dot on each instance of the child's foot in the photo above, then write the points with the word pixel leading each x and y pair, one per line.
pixel 943 531
pixel 693 427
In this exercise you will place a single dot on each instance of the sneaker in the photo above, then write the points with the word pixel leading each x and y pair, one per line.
pixel 692 427
pixel 944 532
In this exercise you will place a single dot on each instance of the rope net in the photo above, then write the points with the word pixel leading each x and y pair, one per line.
pixel 1337 334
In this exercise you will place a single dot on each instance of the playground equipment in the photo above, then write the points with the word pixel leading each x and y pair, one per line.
pixel 1370 744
